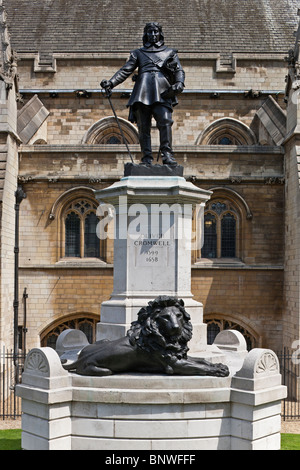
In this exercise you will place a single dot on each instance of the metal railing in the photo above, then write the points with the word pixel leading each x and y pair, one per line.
pixel 290 371
pixel 10 376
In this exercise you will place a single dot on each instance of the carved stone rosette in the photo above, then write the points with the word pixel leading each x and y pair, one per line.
pixel 42 363
pixel 36 361
pixel 267 364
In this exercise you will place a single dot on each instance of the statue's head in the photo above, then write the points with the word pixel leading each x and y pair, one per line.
pixel 153 34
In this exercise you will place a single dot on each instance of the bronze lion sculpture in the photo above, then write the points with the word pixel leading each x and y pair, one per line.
pixel 155 343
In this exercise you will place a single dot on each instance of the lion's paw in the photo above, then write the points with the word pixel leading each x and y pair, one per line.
pixel 221 370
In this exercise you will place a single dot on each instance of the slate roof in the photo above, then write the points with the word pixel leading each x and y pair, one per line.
pixel 252 26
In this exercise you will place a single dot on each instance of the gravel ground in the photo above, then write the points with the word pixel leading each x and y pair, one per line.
pixel 10 424
pixel 290 427
pixel 287 427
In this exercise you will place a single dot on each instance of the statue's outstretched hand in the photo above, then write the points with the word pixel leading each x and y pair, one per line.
pixel 107 86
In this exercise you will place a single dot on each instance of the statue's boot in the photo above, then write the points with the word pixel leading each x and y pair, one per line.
pixel 166 145
pixel 145 143
pixel 147 160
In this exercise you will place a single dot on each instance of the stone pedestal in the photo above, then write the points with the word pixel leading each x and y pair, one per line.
pixel 152 249
pixel 63 411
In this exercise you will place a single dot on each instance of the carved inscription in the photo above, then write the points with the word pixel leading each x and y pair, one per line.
pixel 152 251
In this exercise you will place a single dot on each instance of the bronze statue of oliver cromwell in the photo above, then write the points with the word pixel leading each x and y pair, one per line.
pixel 160 79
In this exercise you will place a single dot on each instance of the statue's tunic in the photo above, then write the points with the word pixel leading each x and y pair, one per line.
pixel 151 82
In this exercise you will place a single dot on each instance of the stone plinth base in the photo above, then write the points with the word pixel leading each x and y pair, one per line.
pixel 151 412
pixel 131 169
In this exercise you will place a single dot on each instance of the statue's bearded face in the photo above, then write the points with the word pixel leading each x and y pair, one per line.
pixel 153 34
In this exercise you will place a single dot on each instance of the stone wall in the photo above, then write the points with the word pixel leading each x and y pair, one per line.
pixel 261 72
pixel 249 297
pixel 8 185
pixel 56 295
pixel 71 117
pixel 291 322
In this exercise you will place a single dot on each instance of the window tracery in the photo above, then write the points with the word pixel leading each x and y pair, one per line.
pixel 221 223
pixel 80 238
pixel 227 131
pixel 107 132
pixel 216 325
pixel 85 323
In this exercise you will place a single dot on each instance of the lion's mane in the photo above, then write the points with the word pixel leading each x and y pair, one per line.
pixel 145 334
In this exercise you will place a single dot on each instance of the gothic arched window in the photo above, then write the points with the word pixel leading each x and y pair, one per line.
pixel 217 324
pixel 107 132
pixel 209 249
pixel 80 224
pixel 73 234
pixel 86 323
pixel 228 236
pixel 221 222
pixel 91 241
pixel 227 131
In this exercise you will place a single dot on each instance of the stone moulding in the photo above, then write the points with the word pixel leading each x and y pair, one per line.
pixel 240 130
pixel 236 195
pixel 64 197
pixel 151 412
pixel 108 125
